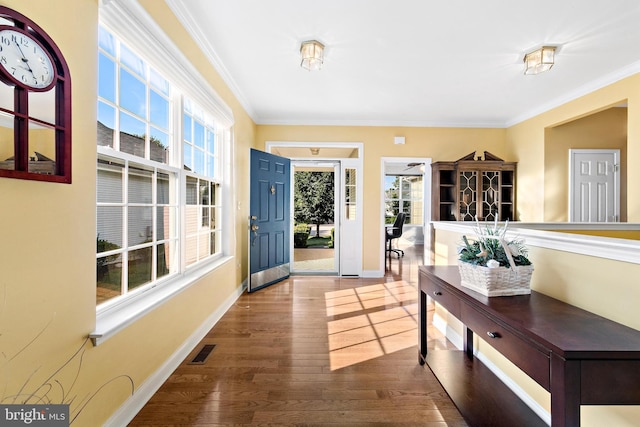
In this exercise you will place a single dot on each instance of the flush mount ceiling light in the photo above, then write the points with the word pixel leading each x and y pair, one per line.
pixel 539 61
pixel 312 55
pixel 314 151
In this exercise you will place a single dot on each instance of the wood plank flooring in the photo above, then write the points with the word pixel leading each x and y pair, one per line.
pixel 312 351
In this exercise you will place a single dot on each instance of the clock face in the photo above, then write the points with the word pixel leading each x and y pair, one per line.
pixel 24 61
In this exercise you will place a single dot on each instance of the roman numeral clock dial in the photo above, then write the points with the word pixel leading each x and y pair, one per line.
pixel 24 61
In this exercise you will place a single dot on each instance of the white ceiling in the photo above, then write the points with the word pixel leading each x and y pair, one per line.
pixel 412 62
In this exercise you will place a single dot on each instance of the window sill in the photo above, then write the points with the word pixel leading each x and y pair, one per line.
pixel 116 318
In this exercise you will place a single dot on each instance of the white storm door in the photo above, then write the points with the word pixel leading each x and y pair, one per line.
pixel 594 189
pixel 351 187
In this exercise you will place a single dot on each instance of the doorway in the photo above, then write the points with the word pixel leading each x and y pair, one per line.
pixel 347 160
pixel 315 210
pixel 406 187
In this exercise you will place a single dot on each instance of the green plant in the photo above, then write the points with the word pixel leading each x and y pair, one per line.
pixel 488 249
pixel 301 235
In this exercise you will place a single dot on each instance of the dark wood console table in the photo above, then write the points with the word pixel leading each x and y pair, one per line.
pixel 579 357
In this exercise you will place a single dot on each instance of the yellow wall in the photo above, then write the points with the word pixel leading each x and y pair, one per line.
pixel 579 280
pixel 606 129
pixel 47 249
pixel 436 143
pixel 538 189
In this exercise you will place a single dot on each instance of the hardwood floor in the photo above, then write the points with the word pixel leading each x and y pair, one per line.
pixel 312 351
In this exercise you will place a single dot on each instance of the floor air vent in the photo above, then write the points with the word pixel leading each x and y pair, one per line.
pixel 202 355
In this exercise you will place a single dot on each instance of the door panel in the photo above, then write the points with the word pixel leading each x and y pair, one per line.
pixel 269 220
pixel 594 187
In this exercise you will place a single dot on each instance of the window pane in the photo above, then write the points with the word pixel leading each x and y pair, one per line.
pixel 106 124
pixel 215 214
pixel 198 161
pixel 211 163
pixel 106 78
pixel 159 114
pixel 140 184
pixel 191 219
pixel 211 142
pixel 188 156
pixel 204 246
pixel 191 250
pixel 110 223
pixel 188 135
pixel 109 277
pixel 198 135
pixel 159 146
pixel 164 259
pixel 106 41
pixel 166 223
pixel 192 191
pixel 214 194
pixel 214 238
pixel 140 225
pixel 163 189
pixel 158 82
pixel 132 135
pixel 139 267
pixel 109 181
pixel 205 216
pixel 132 60
pixel 133 94
pixel 204 193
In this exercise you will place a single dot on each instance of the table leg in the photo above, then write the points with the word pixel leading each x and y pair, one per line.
pixel 565 392
pixel 422 327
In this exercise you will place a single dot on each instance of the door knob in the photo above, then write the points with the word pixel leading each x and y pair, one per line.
pixel 254 227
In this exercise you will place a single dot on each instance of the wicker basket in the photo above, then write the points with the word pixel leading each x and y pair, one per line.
pixel 494 282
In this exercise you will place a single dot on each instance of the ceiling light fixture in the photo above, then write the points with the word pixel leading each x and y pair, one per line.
pixel 539 61
pixel 312 55
pixel 314 151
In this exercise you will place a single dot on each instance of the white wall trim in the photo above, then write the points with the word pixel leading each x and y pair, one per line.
pixel 190 24
pixel 128 410
pixel 538 235
pixel 139 31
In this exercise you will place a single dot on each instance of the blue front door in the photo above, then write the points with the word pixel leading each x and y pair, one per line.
pixel 269 223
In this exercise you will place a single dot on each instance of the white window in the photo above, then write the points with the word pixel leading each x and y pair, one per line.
pixel 159 176
pixel 403 193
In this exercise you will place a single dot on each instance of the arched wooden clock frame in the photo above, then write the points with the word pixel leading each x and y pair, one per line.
pixel 27 35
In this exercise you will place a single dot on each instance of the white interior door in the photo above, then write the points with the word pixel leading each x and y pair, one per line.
pixel 594 188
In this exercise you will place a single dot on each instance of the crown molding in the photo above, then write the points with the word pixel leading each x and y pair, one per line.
pixel 181 11
pixel 135 26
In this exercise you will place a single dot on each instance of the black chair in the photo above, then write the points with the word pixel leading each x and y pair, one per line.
pixel 394 232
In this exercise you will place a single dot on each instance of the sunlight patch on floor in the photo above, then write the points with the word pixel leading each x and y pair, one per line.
pixel 365 336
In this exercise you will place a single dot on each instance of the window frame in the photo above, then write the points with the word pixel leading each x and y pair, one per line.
pixel 129 22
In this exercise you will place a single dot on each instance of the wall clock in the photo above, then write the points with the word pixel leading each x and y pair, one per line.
pixel 35 129
pixel 24 61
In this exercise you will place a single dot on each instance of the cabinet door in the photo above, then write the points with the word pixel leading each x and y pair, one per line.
pixel 468 190
pixel 490 196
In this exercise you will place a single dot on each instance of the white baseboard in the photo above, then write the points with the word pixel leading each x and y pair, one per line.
pixel 374 274
pixel 452 335
pixel 128 410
